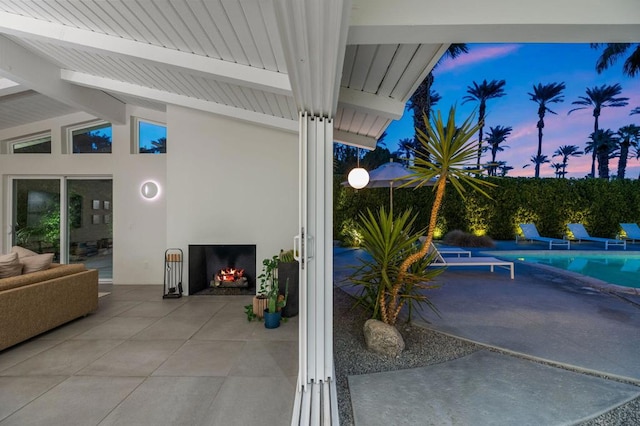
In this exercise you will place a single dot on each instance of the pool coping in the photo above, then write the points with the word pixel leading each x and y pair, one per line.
pixel 589 281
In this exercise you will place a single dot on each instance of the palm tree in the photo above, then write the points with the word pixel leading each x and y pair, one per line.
pixel 481 93
pixel 636 110
pixel 504 169
pixel 537 160
pixel 423 99
pixel 566 151
pixel 496 136
pixel 598 98
pixel 446 151
pixel 629 136
pixel 543 95
pixel 613 51
pixel 604 144
pixel 557 169
pixel 405 146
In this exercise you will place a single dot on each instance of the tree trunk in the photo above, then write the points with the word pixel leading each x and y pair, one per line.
pixel 390 313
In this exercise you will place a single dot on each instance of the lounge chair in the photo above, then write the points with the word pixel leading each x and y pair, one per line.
pixel 441 261
pixel 530 233
pixel 459 252
pixel 632 230
pixel 579 233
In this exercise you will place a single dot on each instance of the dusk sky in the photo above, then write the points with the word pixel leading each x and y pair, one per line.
pixel 522 66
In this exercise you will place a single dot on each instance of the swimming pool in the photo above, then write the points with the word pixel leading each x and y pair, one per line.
pixel 617 268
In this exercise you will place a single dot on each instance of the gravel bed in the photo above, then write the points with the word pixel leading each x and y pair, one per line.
pixel 423 347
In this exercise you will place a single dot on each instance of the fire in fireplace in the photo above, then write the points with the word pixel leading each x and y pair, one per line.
pixel 230 277
pixel 222 269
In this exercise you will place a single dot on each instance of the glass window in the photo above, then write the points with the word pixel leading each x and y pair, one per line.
pixel 39 145
pixel 152 137
pixel 92 140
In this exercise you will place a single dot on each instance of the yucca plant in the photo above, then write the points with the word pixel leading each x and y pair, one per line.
pixel 445 155
pixel 389 240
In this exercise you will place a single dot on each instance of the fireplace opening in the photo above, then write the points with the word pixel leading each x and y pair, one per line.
pixel 222 269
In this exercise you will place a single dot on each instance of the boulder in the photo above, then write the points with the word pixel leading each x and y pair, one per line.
pixel 383 339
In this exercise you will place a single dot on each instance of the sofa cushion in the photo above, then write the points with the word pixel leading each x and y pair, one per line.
pixel 35 263
pixel 22 252
pixel 56 270
pixel 10 265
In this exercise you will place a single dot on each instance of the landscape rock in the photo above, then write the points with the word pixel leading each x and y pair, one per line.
pixel 383 339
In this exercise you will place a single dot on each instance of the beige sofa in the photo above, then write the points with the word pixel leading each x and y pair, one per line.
pixel 33 303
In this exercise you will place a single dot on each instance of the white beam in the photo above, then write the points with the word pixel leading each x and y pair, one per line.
pixel 27 69
pixel 463 21
pixel 360 141
pixel 225 71
pixel 371 103
pixel 8 87
pixel 314 36
pixel 115 86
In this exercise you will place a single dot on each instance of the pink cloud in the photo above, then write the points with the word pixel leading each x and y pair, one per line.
pixel 477 55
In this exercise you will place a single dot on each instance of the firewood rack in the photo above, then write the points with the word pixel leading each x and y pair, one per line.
pixel 173 273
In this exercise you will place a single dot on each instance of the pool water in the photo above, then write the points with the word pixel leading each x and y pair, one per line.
pixel 616 268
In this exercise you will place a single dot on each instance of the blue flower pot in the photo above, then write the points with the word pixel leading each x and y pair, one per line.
pixel 271 320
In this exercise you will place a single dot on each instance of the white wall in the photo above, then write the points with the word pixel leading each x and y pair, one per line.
pixel 223 182
pixel 138 226
pixel 230 182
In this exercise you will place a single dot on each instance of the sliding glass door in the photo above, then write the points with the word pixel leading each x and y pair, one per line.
pixel 36 215
pixel 71 217
pixel 89 218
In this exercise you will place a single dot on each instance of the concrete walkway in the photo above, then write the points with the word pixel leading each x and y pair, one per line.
pixel 582 335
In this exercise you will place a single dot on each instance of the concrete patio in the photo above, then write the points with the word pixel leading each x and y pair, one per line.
pixel 566 353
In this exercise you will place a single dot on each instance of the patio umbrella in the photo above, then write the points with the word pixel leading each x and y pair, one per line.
pixel 389 175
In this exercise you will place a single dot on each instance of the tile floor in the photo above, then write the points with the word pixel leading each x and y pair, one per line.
pixel 142 360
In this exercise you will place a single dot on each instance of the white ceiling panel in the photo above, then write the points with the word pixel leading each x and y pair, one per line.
pixel 259 60
pixel 28 107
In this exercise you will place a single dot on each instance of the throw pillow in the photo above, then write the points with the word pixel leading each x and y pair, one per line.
pixel 10 265
pixel 22 252
pixel 38 262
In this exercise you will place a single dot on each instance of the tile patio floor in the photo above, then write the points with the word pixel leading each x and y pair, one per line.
pixel 142 360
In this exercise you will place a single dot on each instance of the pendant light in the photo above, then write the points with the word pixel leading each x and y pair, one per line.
pixel 358 178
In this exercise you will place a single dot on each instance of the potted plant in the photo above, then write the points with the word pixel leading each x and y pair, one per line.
pixel 275 303
pixel 269 302
pixel 269 269
pixel 288 278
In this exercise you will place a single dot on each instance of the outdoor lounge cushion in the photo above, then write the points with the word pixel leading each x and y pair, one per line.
pixel 531 233
pixel 580 233
pixel 441 261
pixel 632 230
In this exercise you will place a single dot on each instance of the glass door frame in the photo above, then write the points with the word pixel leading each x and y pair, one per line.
pixel 64 209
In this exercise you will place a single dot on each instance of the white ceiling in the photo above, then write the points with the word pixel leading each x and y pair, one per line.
pixel 262 60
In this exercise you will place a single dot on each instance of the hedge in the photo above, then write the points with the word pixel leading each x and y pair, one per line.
pixel 549 203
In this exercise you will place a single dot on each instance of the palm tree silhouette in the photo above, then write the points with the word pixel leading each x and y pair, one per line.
pixel 537 160
pixel 496 136
pixel 612 52
pixel 557 169
pixel 604 144
pixel 406 147
pixel 598 98
pixel 566 151
pixel 636 110
pixel 481 93
pixel 629 136
pixel 543 95
pixel 423 99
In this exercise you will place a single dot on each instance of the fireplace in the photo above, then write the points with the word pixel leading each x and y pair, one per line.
pixel 222 269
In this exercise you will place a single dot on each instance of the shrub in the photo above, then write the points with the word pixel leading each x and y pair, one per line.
pixel 464 239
